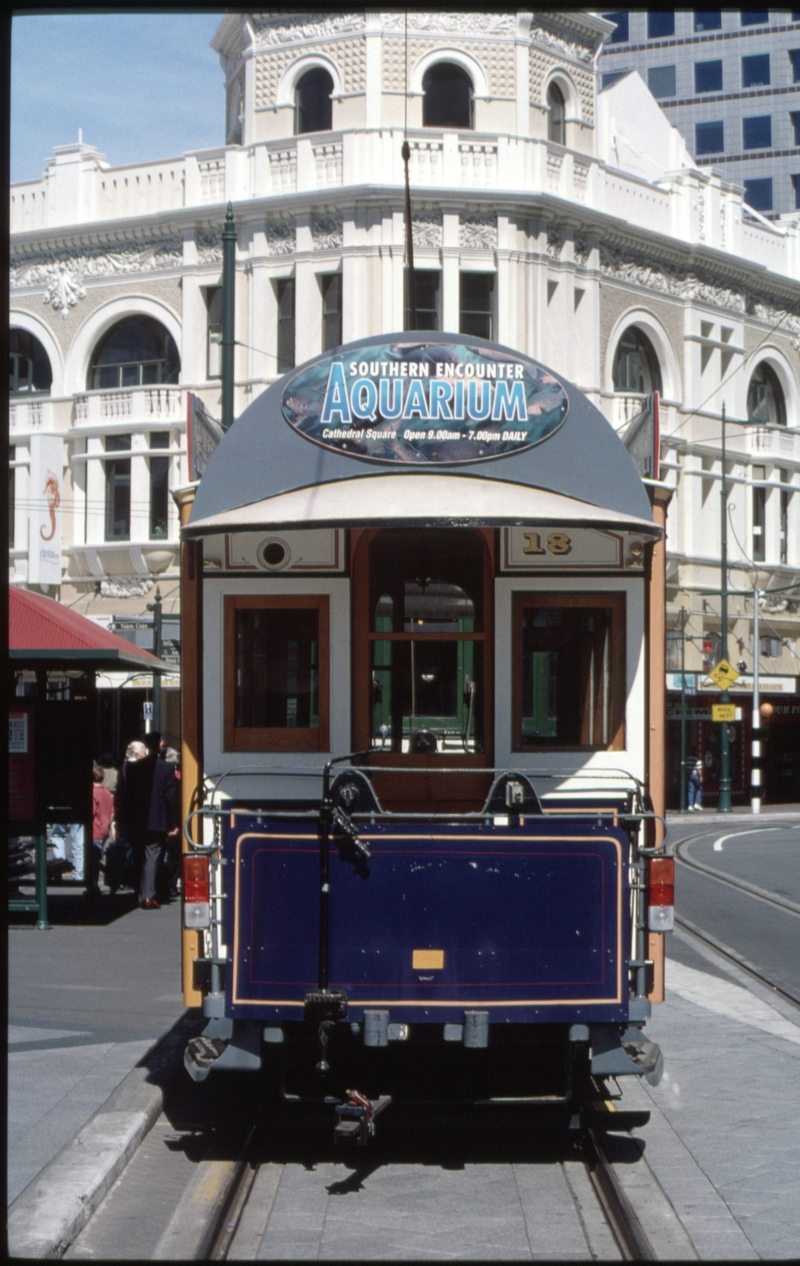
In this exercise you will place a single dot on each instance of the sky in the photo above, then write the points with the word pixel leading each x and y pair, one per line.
pixel 141 86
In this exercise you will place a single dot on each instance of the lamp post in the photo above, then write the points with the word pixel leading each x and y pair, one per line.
pixel 228 316
pixel 758 582
pixel 724 804
pixel 155 607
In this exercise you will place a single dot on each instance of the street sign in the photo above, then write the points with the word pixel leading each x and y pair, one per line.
pixel 148 711
pixel 723 711
pixel 724 675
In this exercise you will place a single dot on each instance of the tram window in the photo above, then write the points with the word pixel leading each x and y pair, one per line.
pixel 331 284
pixel 569 671
pixel 276 688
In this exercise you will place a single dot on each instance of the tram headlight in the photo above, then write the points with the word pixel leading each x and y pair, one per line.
pixel 661 894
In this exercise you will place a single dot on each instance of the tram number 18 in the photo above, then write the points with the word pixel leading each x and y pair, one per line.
pixel 557 543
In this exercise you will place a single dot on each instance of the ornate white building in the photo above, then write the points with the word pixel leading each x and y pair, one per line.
pixel 565 221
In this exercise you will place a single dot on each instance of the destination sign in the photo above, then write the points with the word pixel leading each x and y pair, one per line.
pixel 424 402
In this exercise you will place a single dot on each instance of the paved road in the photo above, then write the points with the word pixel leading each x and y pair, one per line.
pixel 766 856
pixel 86 1001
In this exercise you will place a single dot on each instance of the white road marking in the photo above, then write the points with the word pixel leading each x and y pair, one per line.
pixel 729 1000
pixel 756 830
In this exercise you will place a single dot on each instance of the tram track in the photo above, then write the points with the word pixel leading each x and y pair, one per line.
pixel 619 1214
pixel 750 890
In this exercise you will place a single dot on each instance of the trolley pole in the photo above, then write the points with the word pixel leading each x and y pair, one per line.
pixel 228 316
pixel 724 805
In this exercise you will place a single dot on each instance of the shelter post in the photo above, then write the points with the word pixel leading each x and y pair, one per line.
pixel 660 497
pixel 191 714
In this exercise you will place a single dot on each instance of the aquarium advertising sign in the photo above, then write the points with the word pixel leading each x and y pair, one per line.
pixel 424 403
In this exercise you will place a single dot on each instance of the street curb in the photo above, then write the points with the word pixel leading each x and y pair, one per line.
pixel 46 1217
pixel 698 819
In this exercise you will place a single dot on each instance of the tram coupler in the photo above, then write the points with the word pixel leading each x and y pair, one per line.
pixel 325 1007
pixel 355 1120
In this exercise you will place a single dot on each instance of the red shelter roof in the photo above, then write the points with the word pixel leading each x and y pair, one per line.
pixel 43 630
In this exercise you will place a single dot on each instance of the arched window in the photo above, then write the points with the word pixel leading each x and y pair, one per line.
pixel 28 364
pixel 313 108
pixel 447 100
pixel 765 399
pixel 556 122
pixel 636 367
pixel 134 352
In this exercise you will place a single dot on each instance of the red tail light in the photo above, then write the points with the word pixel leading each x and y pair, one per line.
pixel 661 894
pixel 195 878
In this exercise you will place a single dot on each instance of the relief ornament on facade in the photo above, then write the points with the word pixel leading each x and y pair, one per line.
pixel 477 232
pixel 327 232
pixel 281 237
pixel 426 230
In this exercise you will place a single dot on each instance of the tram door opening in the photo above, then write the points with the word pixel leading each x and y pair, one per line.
pixel 423 652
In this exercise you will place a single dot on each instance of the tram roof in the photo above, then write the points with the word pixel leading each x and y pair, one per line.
pixel 280 465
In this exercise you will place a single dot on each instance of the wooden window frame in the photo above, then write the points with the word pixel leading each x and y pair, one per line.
pixel 617 601
pixel 276 738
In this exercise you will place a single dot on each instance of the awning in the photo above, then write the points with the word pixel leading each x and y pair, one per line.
pixel 43 631
pixel 418 501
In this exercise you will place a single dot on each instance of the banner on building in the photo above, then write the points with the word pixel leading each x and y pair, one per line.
pixel 44 542
pixel 203 434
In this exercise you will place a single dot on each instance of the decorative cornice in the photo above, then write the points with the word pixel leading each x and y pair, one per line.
pixel 273 31
pixel 61 273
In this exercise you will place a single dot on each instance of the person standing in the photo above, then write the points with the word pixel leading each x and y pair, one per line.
pixel 147 810
pixel 102 816
pixel 695 787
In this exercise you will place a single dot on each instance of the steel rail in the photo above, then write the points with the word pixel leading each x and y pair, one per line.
pixel 227 1209
pixel 631 1240
pixel 726 952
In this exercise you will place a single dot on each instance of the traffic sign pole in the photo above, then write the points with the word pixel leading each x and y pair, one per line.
pixel 724 804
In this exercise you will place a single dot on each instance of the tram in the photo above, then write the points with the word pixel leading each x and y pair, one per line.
pixel 423 695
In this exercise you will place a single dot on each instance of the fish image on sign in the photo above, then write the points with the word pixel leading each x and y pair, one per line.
pixel 424 403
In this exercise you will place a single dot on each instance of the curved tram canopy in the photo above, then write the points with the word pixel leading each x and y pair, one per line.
pixel 435 552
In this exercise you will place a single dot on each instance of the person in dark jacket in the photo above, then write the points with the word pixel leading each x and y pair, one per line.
pixel 147 809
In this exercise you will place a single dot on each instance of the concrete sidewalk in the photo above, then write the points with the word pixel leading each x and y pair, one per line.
pixel 87 1001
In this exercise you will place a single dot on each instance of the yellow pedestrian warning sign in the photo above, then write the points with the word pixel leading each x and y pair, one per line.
pixel 723 712
pixel 723 675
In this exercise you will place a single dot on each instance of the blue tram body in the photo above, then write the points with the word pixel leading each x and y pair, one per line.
pixel 529 923
pixel 472 904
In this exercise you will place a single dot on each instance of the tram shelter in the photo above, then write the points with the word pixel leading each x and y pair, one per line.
pixel 54 654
